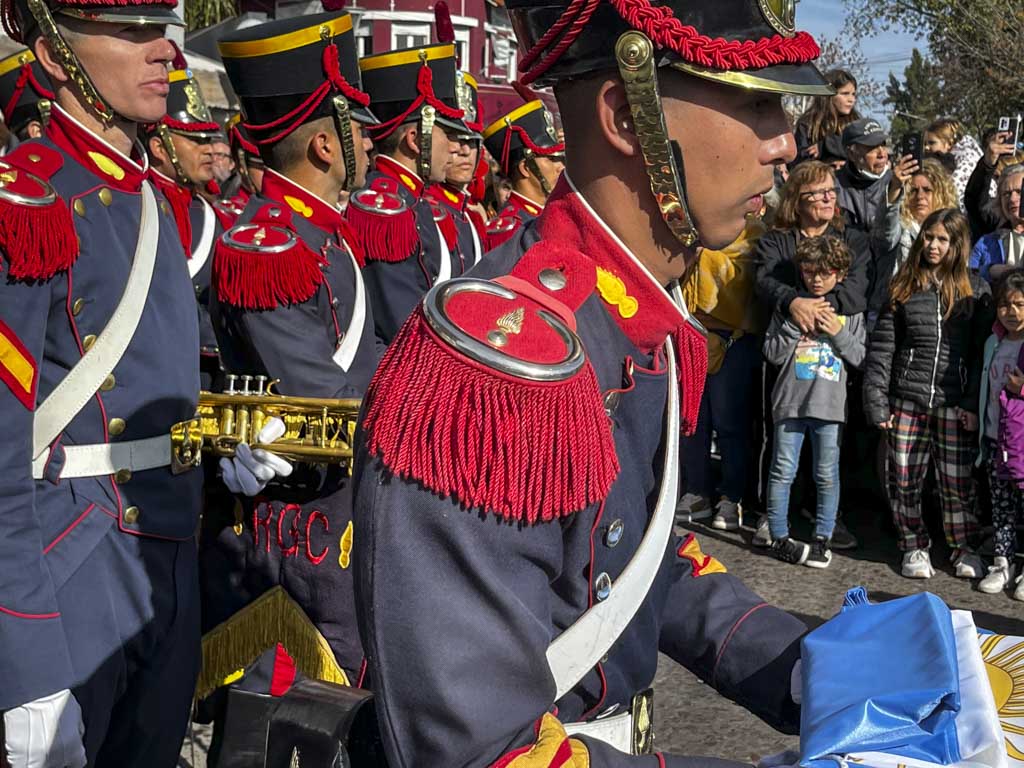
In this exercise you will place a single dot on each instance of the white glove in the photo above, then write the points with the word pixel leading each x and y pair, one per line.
pixel 45 733
pixel 249 471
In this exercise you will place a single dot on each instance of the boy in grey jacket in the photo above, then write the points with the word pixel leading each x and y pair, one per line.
pixel 809 399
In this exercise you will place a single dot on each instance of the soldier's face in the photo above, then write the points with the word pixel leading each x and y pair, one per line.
pixel 362 144
pixel 128 65
pixel 195 157
pixel 731 141
pixel 463 164
pixel 442 151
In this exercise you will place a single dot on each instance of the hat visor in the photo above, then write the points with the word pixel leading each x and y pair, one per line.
pixel 796 79
pixel 199 134
pixel 136 14
pixel 454 126
pixel 871 140
pixel 362 115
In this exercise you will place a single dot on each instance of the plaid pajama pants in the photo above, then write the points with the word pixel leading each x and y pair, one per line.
pixel 918 435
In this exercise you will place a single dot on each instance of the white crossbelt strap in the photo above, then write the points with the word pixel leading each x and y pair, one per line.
pixel 202 250
pixel 478 250
pixel 108 458
pixel 580 647
pixel 346 351
pixel 82 382
pixel 616 730
pixel 445 272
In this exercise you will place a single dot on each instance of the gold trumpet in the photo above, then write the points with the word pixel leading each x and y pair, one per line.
pixel 317 430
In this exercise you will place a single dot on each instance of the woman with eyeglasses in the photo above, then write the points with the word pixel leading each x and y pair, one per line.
pixel 1002 250
pixel 809 208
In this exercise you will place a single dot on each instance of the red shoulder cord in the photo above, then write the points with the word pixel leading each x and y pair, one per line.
pixel 26 77
pixel 666 31
pixel 425 88
pixel 335 82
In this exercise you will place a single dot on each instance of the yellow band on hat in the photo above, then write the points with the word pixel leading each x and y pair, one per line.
pixel 398 58
pixel 245 49
pixel 511 117
pixel 471 80
pixel 14 61
pixel 177 75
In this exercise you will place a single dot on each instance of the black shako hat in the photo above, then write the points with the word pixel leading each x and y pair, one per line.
pixel 753 44
pixel 401 83
pixel 187 112
pixel 23 85
pixel 287 73
pixel 525 131
pixel 20 23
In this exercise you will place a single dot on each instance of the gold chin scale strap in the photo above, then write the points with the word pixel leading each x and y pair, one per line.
pixel 635 55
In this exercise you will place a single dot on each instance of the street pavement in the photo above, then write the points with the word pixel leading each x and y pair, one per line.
pixel 692 719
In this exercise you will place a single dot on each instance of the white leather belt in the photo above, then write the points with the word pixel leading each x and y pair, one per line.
pixel 108 458
pixel 444 271
pixel 202 252
pixel 616 730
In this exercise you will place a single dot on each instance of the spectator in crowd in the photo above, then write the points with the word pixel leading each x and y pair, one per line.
pixel 809 399
pixel 1002 250
pixel 947 140
pixel 921 386
pixel 928 189
pixel 721 294
pixel 819 130
pixel 983 210
pixel 1001 374
pixel 808 208
pixel 864 179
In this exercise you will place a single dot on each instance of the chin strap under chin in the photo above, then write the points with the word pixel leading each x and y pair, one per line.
pixel 662 157
pixel 179 171
pixel 534 167
pixel 343 127
pixel 69 61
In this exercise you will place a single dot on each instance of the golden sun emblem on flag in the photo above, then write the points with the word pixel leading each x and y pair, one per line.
pixel 1004 662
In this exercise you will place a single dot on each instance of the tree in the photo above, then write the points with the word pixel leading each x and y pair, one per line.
pixel 972 45
pixel 203 13
pixel 918 99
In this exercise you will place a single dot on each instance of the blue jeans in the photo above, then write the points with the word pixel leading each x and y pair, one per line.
pixel 727 409
pixel 789 438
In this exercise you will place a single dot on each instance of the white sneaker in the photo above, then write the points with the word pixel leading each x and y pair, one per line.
pixel 917 564
pixel 967 564
pixel 693 507
pixel 728 515
pixel 763 534
pixel 1018 593
pixel 1000 574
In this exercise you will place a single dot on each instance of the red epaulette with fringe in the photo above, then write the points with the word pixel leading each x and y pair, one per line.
pixel 486 395
pixel 384 226
pixel 501 230
pixel 37 233
pixel 444 220
pixel 264 264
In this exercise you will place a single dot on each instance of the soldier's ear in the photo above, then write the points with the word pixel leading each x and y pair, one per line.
pixel 48 62
pixel 323 148
pixel 615 118
pixel 157 150
pixel 410 142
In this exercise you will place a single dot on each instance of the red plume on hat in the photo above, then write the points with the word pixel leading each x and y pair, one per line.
pixel 443 28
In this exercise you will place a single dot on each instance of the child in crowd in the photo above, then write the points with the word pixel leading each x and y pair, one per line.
pixel 809 399
pixel 921 385
pixel 1001 372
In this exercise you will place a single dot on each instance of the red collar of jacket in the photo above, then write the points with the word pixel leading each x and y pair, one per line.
pixel 406 178
pixel 302 202
pixel 110 166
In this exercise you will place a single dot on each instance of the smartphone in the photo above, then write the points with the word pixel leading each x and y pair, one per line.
pixel 912 145
pixel 1012 126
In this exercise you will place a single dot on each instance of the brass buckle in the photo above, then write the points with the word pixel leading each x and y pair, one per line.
pixel 635 55
pixel 642 710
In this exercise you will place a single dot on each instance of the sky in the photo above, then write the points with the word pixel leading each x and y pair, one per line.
pixel 887 52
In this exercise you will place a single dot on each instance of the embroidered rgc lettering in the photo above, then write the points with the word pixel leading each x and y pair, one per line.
pixel 291 530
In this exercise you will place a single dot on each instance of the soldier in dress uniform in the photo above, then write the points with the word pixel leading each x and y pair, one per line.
pixel 290 305
pixel 99 619
pixel 454 193
pixel 520 439
pixel 407 237
pixel 181 162
pixel 249 169
pixel 527 148
pixel 25 96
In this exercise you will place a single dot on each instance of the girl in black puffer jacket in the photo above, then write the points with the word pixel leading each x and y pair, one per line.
pixel 921 384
